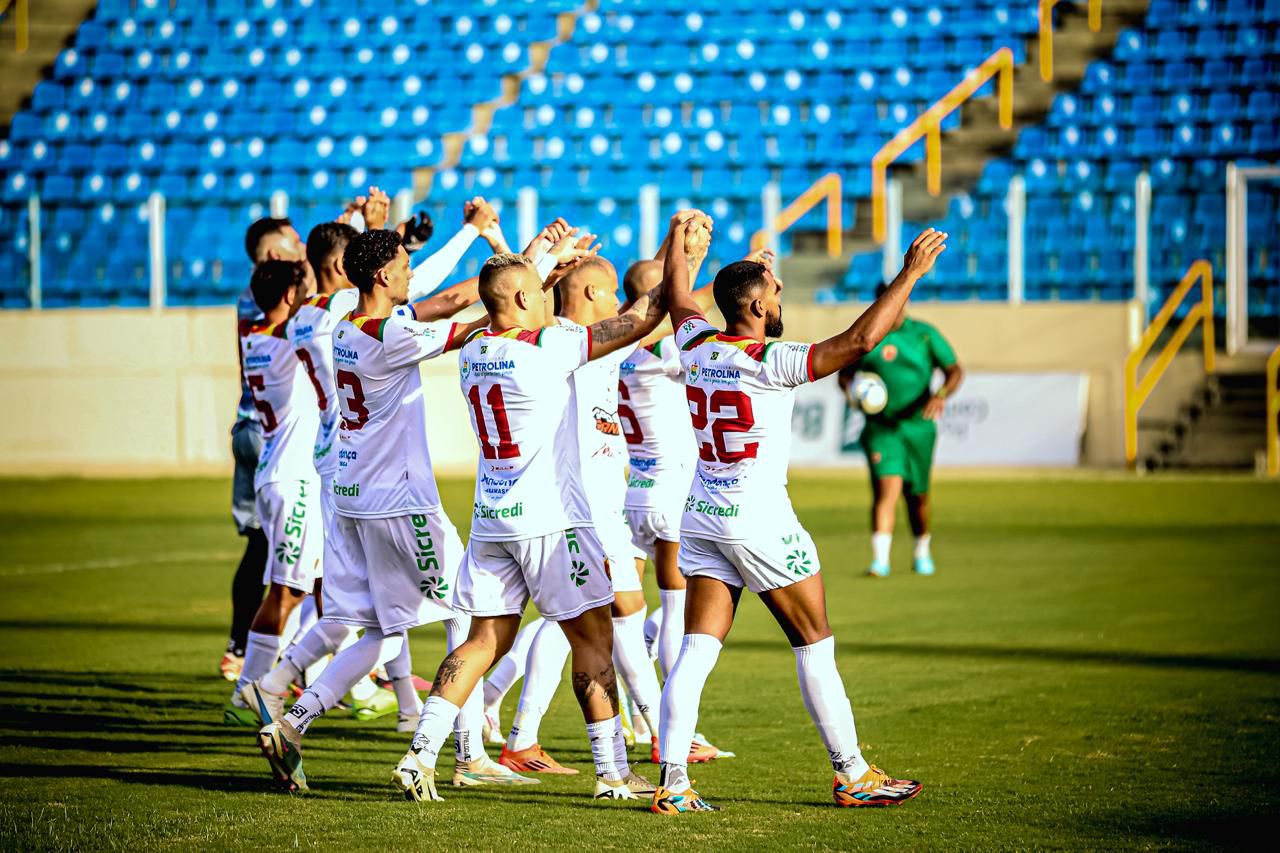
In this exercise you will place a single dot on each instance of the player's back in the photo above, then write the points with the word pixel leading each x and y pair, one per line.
pixel 384 464
pixel 740 398
pixel 311 333
pixel 651 403
pixel 516 384
pixel 284 400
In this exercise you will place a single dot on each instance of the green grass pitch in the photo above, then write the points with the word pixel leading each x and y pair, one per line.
pixel 1096 665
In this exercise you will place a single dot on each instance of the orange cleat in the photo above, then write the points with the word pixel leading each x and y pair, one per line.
pixel 230 666
pixel 533 760
pixel 698 753
pixel 873 788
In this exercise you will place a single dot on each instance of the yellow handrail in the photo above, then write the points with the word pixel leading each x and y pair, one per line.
pixel 828 188
pixel 21 27
pixel 1135 392
pixel 1046 32
pixel 929 125
pixel 1273 413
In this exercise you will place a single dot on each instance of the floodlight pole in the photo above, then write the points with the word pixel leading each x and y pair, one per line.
pixel 36 294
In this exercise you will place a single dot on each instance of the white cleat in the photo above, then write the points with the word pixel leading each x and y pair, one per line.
pixel 406 725
pixel 606 790
pixel 415 780
pixel 268 706
pixel 486 771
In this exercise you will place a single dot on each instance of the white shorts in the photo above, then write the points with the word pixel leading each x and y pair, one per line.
pixel 650 525
pixel 290 514
pixel 564 573
pixel 615 537
pixel 395 573
pixel 761 565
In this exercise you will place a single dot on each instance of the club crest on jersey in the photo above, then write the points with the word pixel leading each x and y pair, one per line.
pixel 688 326
pixel 693 372
pixel 890 352
pixel 466 369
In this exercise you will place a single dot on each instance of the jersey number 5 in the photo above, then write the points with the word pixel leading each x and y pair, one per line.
pixel 354 413
pixel 505 448
pixel 256 384
pixel 742 421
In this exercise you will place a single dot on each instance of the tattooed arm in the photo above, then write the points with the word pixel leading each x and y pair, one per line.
pixel 624 330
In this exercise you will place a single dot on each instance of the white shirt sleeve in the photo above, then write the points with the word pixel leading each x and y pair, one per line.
pixel 692 329
pixel 545 265
pixel 567 344
pixel 406 342
pixel 788 364
pixel 431 273
pixel 669 357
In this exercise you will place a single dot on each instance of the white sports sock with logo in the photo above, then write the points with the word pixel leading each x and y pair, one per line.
pixel 880 543
pixel 260 654
pixel 545 668
pixel 467 725
pixel 922 546
pixel 634 667
pixel 680 699
pixel 348 667
pixel 510 669
pixel 824 697
pixel 322 640
pixel 434 726
pixel 671 631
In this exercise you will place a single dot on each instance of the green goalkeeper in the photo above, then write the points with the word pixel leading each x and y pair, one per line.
pixel 899 439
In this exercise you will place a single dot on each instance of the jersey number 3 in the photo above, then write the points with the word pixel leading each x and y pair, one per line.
pixel 505 448
pixel 700 408
pixel 354 413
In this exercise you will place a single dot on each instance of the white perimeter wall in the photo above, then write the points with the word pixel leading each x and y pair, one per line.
pixel 125 392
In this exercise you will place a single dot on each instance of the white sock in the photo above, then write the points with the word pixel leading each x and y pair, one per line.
pixel 922 546
pixel 628 706
pixel 510 669
pixel 652 630
pixel 307 617
pixel 823 692
pixel 671 632
pixel 680 699
pixel 260 654
pixel 634 667
pixel 880 543
pixel 620 750
pixel 545 667
pixel 400 671
pixel 604 736
pixel 322 640
pixel 434 726
pixel 347 668
pixel 468 724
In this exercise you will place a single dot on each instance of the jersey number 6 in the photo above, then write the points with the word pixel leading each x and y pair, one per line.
pixel 742 421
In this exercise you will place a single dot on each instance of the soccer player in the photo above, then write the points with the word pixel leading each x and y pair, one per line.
pixel 739 528
pixel 524 543
pixel 311 332
pixel 266 239
pixel 899 440
pixel 287 488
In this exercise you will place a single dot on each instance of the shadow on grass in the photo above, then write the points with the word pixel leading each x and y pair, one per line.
pixel 1224 663
pixel 201 779
pixel 45 624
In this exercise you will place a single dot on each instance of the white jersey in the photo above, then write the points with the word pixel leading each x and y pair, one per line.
pixel 384 466
pixel 740 395
pixel 651 409
pixel 594 399
pixel 311 333
pixel 517 388
pixel 285 403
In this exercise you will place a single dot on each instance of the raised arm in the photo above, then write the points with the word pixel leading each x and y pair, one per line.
pixel 432 272
pixel 676 279
pixel 450 301
pixel 870 328
pixel 628 327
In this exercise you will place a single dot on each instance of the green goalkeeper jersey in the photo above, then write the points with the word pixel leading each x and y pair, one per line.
pixel 905 360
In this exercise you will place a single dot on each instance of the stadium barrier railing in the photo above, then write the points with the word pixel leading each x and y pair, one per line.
pixel 928 125
pixel 1137 391
pixel 828 188
pixel 1046 32
pixel 1273 413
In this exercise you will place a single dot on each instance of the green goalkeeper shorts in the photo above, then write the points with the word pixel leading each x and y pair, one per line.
pixel 902 449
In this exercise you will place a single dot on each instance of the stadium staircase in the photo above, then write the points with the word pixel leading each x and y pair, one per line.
pixel 1215 425
pixel 50 27
pixel 977 139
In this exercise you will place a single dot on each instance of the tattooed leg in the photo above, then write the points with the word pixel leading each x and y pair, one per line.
pixel 594 683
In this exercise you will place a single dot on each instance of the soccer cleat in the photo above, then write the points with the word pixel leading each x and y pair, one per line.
pixel 235 715
pixel 699 752
pixel 231 665
pixel 923 566
pixel 491 731
pixel 666 802
pixel 639 785
pixel 878 570
pixel 871 789
pixel 415 780
pixel 380 704
pixel 283 753
pixel 268 706
pixel 606 790
pixel 486 771
pixel 533 760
